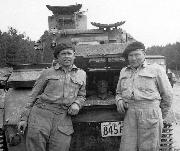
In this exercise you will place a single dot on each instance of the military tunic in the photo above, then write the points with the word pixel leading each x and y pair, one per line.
pixel 49 125
pixel 149 96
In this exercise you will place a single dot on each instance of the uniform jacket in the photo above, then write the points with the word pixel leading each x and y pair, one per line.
pixel 147 83
pixel 55 86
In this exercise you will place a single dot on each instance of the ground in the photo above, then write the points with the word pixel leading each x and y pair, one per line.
pixel 176 109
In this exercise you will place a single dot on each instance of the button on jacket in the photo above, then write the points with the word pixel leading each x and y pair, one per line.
pixel 55 86
pixel 147 83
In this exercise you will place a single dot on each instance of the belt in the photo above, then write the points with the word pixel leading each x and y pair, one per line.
pixel 144 104
pixel 55 108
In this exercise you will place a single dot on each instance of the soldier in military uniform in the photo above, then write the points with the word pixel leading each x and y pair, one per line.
pixel 172 77
pixel 145 94
pixel 58 93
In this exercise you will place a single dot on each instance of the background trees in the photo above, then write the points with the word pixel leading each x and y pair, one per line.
pixel 17 48
pixel 170 51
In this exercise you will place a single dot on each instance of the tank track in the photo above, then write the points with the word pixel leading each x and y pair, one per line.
pixel 166 138
pixel 2 141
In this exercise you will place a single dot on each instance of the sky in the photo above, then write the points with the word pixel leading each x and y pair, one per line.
pixel 153 22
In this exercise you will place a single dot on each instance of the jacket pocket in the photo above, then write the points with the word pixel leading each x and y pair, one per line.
pixel 66 129
pixel 52 84
pixel 52 78
pixel 151 123
pixel 150 119
pixel 147 82
pixel 125 83
pixel 76 82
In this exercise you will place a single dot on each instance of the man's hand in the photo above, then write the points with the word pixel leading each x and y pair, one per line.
pixel 121 106
pixel 73 109
pixel 22 126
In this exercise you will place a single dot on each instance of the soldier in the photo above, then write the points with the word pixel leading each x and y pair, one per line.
pixel 172 77
pixel 102 87
pixel 102 91
pixel 145 94
pixel 58 93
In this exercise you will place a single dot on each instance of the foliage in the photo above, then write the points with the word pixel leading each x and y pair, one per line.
pixel 16 48
pixel 170 51
pixel 46 40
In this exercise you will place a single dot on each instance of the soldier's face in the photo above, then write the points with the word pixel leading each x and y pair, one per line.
pixel 102 87
pixel 136 58
pixel 66 57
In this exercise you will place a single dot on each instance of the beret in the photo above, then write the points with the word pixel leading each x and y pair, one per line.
pixel 62 46
pixel 132 47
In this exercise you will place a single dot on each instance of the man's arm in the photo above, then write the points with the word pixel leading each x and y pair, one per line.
pixel 118 88
pixel 165 91
pixel 81 96
pixel 37 90
pixel 120 103
pixel 80 99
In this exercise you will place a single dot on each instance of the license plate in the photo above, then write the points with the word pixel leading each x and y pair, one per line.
pixel 111 128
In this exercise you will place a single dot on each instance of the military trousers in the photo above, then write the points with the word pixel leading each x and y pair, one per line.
pixel 49 129
pixel 142 127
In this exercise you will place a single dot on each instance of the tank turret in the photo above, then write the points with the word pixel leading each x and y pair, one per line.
pixel 67 17
pixel 69 23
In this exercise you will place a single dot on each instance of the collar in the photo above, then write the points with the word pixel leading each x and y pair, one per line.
pixel 142 66
pixel 58 66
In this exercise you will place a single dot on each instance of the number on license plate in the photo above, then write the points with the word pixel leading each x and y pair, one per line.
pixel 111 128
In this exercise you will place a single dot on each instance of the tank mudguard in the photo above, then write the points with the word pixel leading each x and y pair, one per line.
pixel 15 101
pixel 2 95
pixel 1 118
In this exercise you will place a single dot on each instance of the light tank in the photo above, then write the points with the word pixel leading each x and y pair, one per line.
pixel 98 126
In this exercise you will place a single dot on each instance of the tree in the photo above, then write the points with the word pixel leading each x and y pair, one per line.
pixel 170 51
pixel 16 48
pixel 47 51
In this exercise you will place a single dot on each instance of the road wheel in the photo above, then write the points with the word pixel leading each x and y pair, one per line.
pixel 2 141
pixel 166 139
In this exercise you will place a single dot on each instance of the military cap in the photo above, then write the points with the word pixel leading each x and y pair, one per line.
pixel 62 46
pixel 132 47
